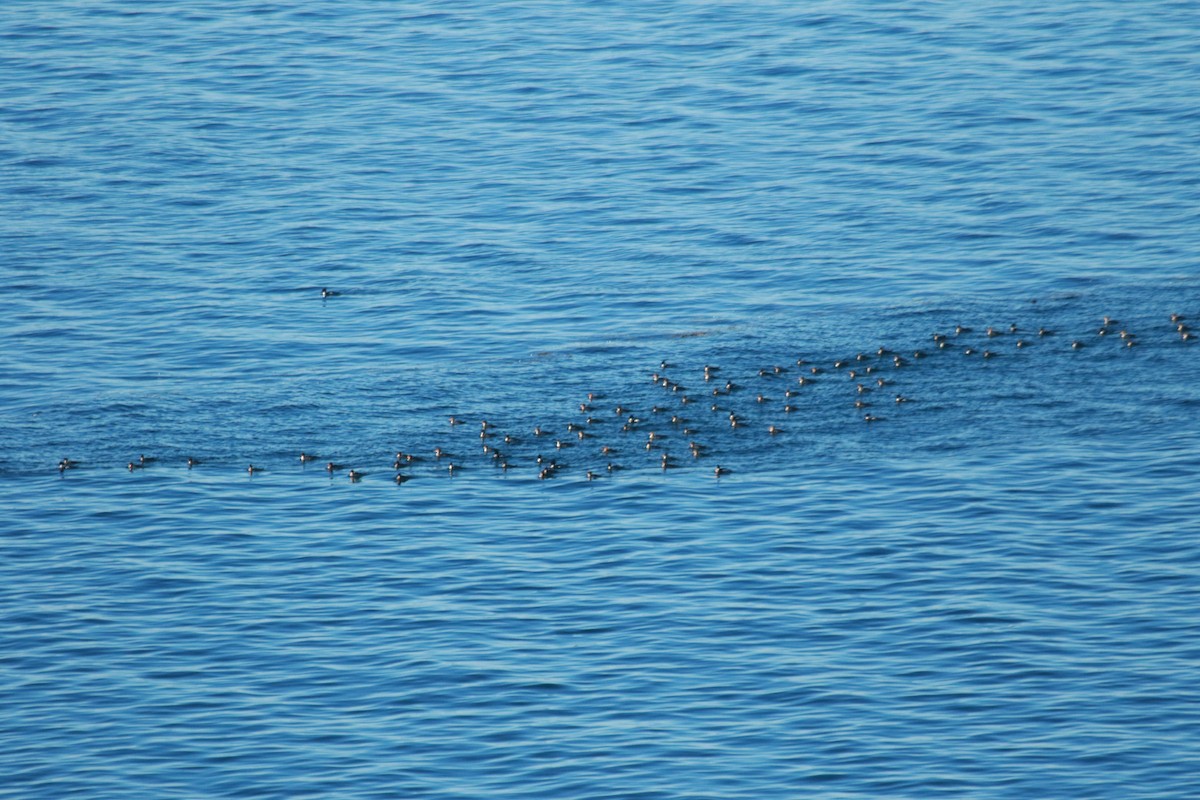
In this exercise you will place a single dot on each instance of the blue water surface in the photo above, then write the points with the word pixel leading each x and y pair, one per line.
pixel 523 213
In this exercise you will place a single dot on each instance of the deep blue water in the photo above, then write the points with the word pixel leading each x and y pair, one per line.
pixel 991 591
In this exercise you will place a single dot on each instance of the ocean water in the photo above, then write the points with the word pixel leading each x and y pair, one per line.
pixel 988 591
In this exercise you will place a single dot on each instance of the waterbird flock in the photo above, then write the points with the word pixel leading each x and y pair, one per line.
pixel 697 408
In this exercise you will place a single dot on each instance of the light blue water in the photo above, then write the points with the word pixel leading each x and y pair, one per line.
pixel 990 592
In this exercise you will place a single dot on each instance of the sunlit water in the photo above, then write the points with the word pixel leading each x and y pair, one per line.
pixel 989 591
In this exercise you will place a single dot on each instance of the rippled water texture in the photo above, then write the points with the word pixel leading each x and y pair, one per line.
pixel 988 591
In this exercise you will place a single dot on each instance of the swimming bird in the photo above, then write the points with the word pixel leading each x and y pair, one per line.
pixel 332 467
pixel 355 475
pixel 719 471
pixel 329 293
pixel 253 469
pixel 306 457
pixel 134 465
pixel 192 462
pixel 402 478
